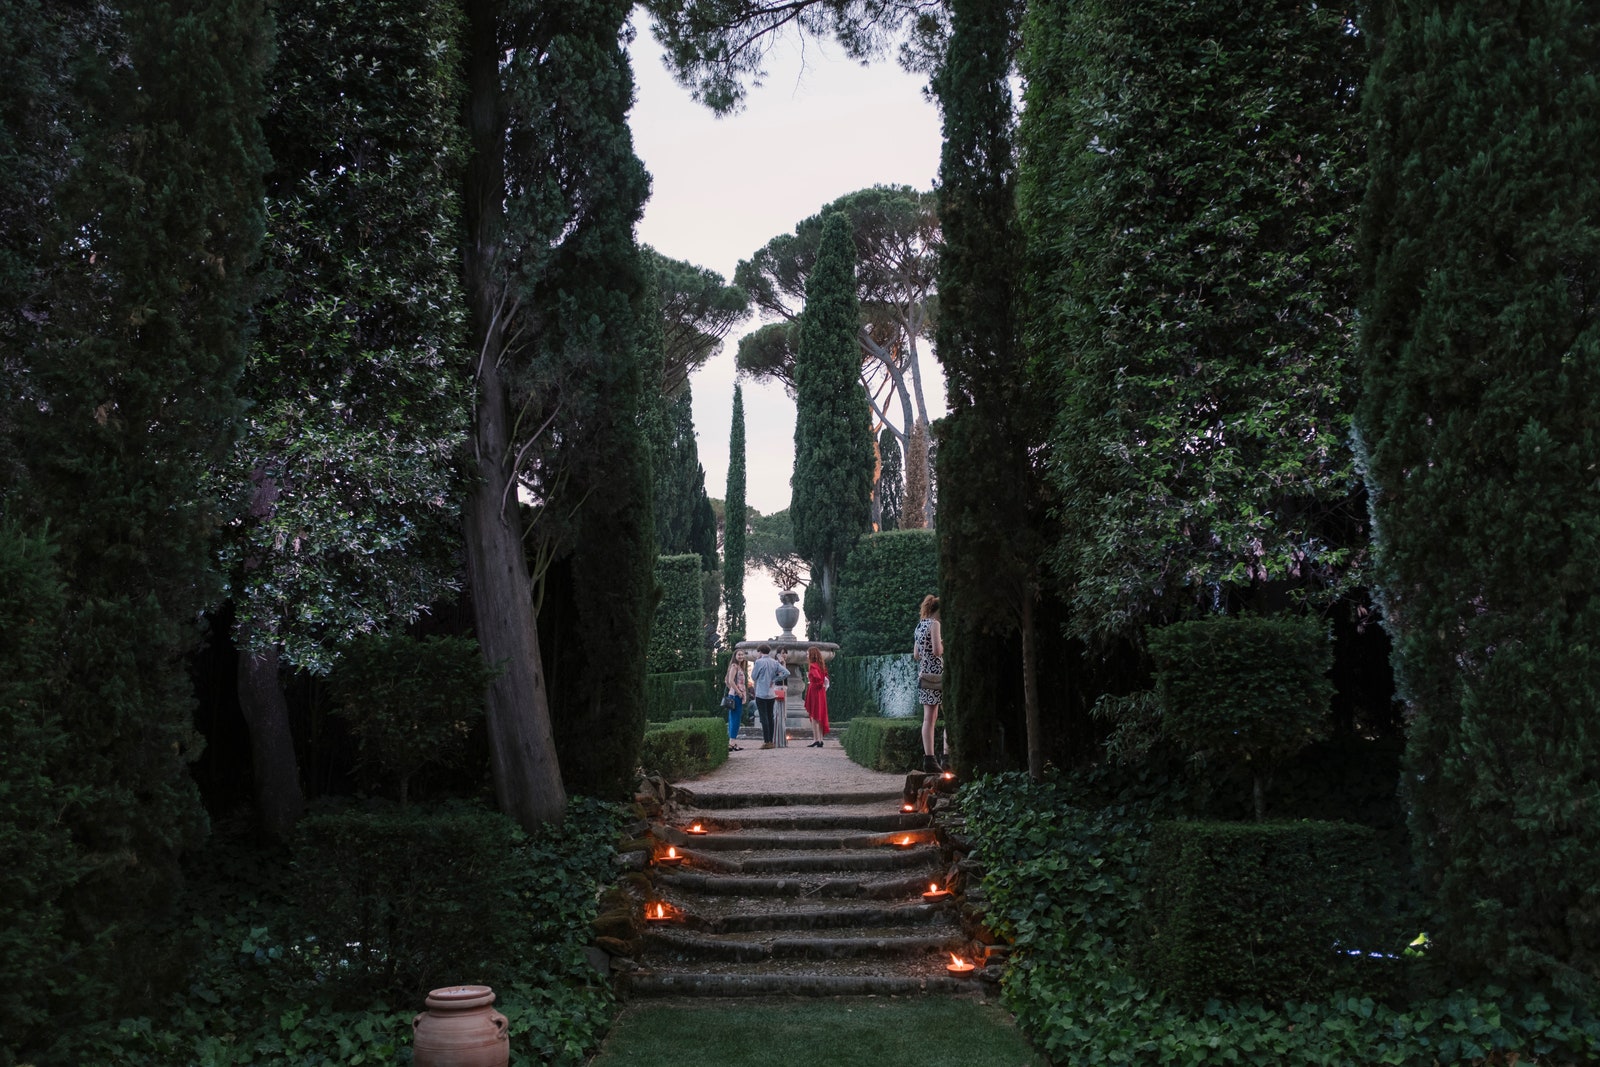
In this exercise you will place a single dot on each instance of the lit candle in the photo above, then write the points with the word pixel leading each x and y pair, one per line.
pixel 657 913
pixel 908 807
pixel 959 967
pixel 949 775
pixel 934 892
pixel 671 859
pixel 904 841
pixel 697 829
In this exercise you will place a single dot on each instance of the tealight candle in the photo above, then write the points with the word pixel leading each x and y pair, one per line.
pixel 671 858
pixel 696 829
pixel 657 913
pixel 959 967
pixel 904 841
pixel 908 807
pixel 934 892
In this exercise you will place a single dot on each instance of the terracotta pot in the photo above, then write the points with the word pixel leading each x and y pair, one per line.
pixel 461 1029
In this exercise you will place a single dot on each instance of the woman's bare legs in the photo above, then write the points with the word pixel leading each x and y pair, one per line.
pixel 930 716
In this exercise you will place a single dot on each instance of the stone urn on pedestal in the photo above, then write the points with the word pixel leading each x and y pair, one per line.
pixel 460 1029
pixel 788 614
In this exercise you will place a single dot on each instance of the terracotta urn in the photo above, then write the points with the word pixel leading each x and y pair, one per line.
pixel 461 1029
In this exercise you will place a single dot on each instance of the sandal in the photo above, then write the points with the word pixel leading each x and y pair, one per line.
pixel 735 748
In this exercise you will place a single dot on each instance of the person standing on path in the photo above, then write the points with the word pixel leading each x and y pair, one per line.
pixel 739 691
pixel 816 697
pixel 927 648
pixel 766 673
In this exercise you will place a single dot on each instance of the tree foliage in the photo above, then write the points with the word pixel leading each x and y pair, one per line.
pixel 697 310
pixel 1189 191
pixel 675 635
pixel 1480 353
pixel 715 46
pixel 357 381
pixel 832 439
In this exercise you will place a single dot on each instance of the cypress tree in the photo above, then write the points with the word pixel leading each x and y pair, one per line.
pixel 988 549
pixel 131 375
pixel 832 488
pixel 733 526
pixel 891 481
pixel 1481 373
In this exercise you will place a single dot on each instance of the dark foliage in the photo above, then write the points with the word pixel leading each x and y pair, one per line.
pixel 675 637
pixel 685 748
pixel 880 744
pixel 733 526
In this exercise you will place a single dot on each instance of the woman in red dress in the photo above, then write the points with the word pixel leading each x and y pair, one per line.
pixel 817 697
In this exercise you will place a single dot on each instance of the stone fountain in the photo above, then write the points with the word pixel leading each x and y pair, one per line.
pixel 796 657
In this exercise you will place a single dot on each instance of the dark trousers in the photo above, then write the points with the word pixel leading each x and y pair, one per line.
pixel 764 709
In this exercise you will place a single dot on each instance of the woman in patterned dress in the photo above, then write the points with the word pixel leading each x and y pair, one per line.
pixel 927 648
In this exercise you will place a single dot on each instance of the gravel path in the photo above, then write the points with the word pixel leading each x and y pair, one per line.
pixel 795 769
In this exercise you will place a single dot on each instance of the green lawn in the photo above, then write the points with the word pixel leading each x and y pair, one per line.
pixel 867 1032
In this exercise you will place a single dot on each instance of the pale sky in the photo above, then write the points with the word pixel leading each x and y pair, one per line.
pixel 819 127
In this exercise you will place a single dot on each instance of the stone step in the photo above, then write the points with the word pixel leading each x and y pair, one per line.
pixel 761 983
pixel 748 840
pixel 725 915
pixel 810 862
pixel 879 818
pixel 898 887
pixel 753 947
pixel 802 799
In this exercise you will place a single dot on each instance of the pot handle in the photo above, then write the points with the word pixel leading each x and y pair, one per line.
pixel 500 1023
pixel 417 1019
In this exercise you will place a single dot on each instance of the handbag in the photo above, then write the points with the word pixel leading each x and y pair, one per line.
pixel 728 702
pixel 780 692
pixel 931 681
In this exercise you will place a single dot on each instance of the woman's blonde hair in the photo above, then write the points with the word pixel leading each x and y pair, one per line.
pixel 930 606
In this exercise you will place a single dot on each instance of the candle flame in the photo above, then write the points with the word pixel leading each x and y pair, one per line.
pixel 661 912
pixel 957 961
pixel 695 828
pixel 908 807
pixel 905 840
pixel 672 853
pixel 933 887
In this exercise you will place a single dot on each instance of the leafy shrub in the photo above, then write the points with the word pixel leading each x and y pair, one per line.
pixel 685 748
pixel 880 744
pixel 1065 884
pixel 880 588
pixel 411 703
pixel 676 637
pixel 1272 911
pixel 872 685
pixel 669 695
pixel 1248 689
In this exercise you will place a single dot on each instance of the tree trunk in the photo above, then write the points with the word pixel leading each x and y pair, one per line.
pixel 1030 690
pixel 279 801
pixel 522 754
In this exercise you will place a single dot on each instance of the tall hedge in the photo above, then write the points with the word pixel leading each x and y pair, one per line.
pixel 1481 354
pixel 130 357
pixel 37 857
pixel 1251 690
pixel 676 639
pixel 881 587
pixel 1189 185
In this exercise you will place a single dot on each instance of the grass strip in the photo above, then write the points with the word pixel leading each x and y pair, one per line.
pixel 843 1032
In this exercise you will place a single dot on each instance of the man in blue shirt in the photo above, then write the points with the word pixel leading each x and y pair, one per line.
pixel 767 672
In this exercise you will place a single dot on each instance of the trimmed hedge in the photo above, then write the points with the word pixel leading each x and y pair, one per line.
pixel 872 685
pixel 1250 689
pixel 676 694
pixel 397 901
pixel 880 744
pixel 881 587
pixel 676 639
pixel 1272 911
pixel 685 748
